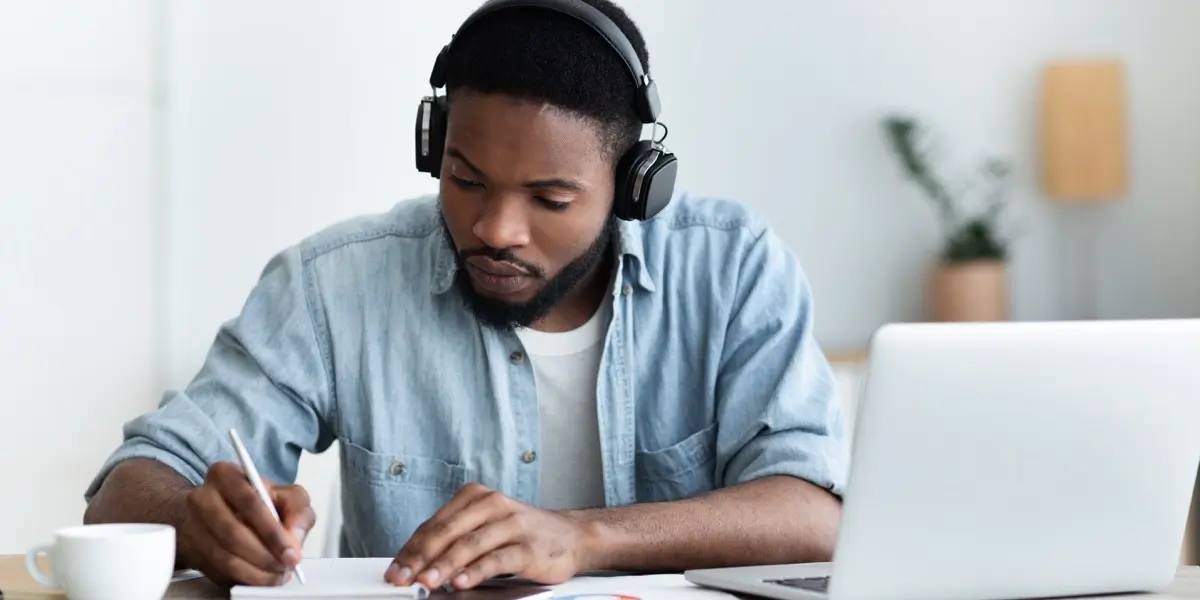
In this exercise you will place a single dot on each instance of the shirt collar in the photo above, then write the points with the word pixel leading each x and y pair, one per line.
pixel 629 245
pixel 443 264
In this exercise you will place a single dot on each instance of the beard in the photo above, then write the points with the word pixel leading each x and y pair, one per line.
pixel 504 315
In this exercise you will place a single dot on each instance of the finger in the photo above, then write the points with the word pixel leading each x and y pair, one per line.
pixel 472 507
pixel 218 518
pixel 484 509
pixel 506 560
pixel 244 500
pixel 470 547
pixel 295 509
pixel 465 496
pixel 224 567
pixel 400 571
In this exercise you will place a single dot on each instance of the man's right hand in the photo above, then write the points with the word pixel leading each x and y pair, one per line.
pixel 231 536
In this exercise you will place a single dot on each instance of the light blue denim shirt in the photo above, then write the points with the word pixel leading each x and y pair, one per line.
pixel 710 375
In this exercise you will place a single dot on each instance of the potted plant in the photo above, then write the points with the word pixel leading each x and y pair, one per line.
pixel 969 282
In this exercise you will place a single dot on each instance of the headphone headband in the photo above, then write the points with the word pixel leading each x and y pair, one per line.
pixel 647 105
pixel 645 173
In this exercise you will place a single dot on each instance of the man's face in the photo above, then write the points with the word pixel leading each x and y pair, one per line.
pixel 526 196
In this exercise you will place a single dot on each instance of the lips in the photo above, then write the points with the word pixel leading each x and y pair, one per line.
pixel 492 267
pixel 496 278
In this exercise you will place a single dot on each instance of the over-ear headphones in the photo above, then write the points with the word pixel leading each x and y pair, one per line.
pixel 645 176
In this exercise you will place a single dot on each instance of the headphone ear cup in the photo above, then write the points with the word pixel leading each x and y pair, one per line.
pixel 625 204
pixel 430 133
pixel 645 181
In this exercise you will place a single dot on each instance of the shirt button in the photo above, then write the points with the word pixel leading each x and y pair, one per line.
pixel 529 456
pixel 627 290
pixel 517 357
pixel 397 468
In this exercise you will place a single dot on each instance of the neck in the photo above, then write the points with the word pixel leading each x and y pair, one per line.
pixel 581 304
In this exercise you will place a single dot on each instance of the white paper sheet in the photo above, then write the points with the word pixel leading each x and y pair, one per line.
pixel 347 578
pixel 355 578
pixel 644 587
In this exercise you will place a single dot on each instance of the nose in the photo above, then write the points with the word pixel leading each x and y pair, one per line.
pixel 503 222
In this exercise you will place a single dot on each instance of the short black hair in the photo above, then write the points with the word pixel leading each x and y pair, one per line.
pixel 545 56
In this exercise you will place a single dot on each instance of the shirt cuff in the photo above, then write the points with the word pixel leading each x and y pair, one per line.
pixel 142 448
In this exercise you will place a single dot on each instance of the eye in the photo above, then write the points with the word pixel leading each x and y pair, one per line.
pixel 552 205
pixel 465 184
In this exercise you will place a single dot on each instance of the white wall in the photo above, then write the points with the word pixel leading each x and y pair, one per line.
pixel 77 286
pixel 286 115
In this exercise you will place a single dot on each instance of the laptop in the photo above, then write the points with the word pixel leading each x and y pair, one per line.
pixel 1010 460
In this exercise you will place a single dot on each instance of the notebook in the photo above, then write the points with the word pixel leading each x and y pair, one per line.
pixel 361 579
pixel 340 578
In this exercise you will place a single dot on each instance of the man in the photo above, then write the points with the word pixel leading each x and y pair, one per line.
pixel 519 382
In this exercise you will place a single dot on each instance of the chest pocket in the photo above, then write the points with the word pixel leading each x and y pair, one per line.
pixel 385 497
pixel 679 471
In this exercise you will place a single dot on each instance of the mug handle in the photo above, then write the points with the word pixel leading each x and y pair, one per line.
pixel 35 571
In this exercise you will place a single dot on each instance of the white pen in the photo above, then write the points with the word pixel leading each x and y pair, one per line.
pixel 256 481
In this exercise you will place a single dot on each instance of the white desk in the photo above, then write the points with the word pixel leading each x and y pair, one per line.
pixel 1186 585
pixel 17 586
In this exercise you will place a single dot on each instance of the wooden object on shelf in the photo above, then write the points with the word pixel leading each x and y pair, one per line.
pixel 848 357
pixel 1083 131
pixel 969 291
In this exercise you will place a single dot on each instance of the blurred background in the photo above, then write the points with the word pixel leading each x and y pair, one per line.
pixel 154 154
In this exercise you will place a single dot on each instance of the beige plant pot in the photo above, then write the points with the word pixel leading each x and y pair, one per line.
pixel 970 291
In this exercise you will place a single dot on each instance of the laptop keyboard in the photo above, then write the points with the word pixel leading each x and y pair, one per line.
pixel 812 584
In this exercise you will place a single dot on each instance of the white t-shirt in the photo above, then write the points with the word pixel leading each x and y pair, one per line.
pixel 566 366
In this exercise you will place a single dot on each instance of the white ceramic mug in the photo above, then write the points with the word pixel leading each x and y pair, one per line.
pixel 131 561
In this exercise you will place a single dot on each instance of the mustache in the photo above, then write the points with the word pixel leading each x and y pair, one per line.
pixel 504 256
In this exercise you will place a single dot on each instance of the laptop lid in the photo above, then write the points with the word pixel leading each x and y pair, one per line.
pixel 1006 460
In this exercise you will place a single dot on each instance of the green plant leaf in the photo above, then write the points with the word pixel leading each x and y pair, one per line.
pixel 966 238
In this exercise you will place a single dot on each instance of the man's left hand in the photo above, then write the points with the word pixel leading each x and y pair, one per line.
pixel 482 534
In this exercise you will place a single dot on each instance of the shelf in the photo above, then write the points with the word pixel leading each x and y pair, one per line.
pixel 846 356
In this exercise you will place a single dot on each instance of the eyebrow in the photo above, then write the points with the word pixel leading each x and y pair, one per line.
pixel 554 182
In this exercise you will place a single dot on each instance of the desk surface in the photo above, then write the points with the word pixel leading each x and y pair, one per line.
pixel 15 584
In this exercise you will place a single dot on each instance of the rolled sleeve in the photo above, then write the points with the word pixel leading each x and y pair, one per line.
pixel 266 374
pixel 777 404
